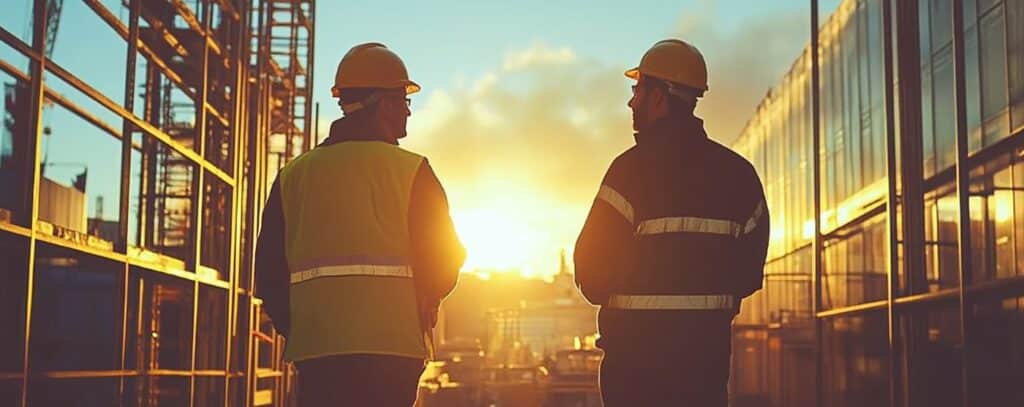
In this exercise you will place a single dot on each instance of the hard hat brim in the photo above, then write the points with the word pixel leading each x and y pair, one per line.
pixel 411 87
pixel 633 73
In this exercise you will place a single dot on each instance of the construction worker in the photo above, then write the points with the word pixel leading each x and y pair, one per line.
pixel 357 248
pixel 676 237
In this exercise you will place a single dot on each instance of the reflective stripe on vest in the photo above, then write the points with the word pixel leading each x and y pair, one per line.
pixel 692 224
pixel 672 302
pixel 372 270
pixel 340 266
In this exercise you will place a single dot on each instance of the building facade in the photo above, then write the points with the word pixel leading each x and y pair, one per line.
pixel 138 143
pixel 864 308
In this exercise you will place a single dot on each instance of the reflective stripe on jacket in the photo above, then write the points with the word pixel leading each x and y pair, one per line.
pixel 677 214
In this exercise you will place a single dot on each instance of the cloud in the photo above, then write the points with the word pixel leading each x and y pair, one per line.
pixel 539 54
pixel 532 138
pixel 743 63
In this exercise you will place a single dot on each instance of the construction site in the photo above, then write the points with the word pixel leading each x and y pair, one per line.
pixel 131 198
pixel 137 293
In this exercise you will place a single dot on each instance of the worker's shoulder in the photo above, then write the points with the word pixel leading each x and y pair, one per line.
pixel 625 160
pixel 407 153
pixel 728 160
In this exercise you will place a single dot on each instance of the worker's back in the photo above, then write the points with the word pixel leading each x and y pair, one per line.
pixel 675 240
pixel 345 210
pixel 693 201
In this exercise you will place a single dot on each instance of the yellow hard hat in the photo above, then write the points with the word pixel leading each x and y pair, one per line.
pixel 372 65
pixel 675 61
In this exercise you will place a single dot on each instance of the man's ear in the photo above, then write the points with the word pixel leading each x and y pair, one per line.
pixel 658 99
pixel 389 106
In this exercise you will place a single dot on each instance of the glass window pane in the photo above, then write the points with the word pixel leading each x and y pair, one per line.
pixel 100 391
pixel 209 392
pixel 14 257
pixel 945 135
pixel 160 313
pixel 220 141
pixel 76 312
pixel 946 274
pixel 240 346
pixel 1001 218
pixel 972 76
pixel 984 5
pixel 1018 214
pixel 855 352
pixel 941 23
pixel 162 200
pixel 993 63
pixel 15 132
pixel 854 271
pixel 213 325
pixel 10 392
pixel 79 187
pixel 937 355
pixel 998 333
pixel 83 38
pixel 161 391
pixel 215 252
pixel 236 391
pixel 1015 36
pixel 924 30
pixel 927 122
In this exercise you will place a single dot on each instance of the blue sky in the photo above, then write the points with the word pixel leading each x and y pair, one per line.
pixel 523 102
pixel 443 41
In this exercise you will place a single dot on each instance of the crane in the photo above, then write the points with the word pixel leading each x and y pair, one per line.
pixel 53 9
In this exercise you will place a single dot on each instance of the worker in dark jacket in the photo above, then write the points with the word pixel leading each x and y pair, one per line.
pixel 676 238
pixel 357 248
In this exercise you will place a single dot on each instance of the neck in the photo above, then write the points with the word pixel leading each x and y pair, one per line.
pixel 673 128
pixel 358 128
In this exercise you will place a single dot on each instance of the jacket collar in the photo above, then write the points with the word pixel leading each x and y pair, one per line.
pixel 347 129
pixel 673 130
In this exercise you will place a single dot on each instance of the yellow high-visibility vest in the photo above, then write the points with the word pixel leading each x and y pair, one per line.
pixel 347 244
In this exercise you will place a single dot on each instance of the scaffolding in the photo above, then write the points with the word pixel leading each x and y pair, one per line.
pixel 216 99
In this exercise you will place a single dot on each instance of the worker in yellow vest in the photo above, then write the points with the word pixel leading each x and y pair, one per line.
pixel 357 248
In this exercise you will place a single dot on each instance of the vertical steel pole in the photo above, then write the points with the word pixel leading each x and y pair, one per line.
pixel 127 132
pixel 816 246
pixel 962 190
pixel 892 198
pixel 32 173
pixel 908 64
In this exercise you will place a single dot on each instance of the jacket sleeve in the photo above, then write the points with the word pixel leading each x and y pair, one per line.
pixel 271 268
pixel 436 255
pixel 605 243
pixel 753 243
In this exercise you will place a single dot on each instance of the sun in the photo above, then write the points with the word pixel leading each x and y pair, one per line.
pixel 495 239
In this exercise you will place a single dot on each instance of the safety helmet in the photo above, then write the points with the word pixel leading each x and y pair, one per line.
pixel 675 61
pixel 372 65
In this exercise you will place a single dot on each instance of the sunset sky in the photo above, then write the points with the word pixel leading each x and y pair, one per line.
pixel 523 104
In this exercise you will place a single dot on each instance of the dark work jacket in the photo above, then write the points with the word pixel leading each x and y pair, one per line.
pixel 675 170
pixel 435 251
